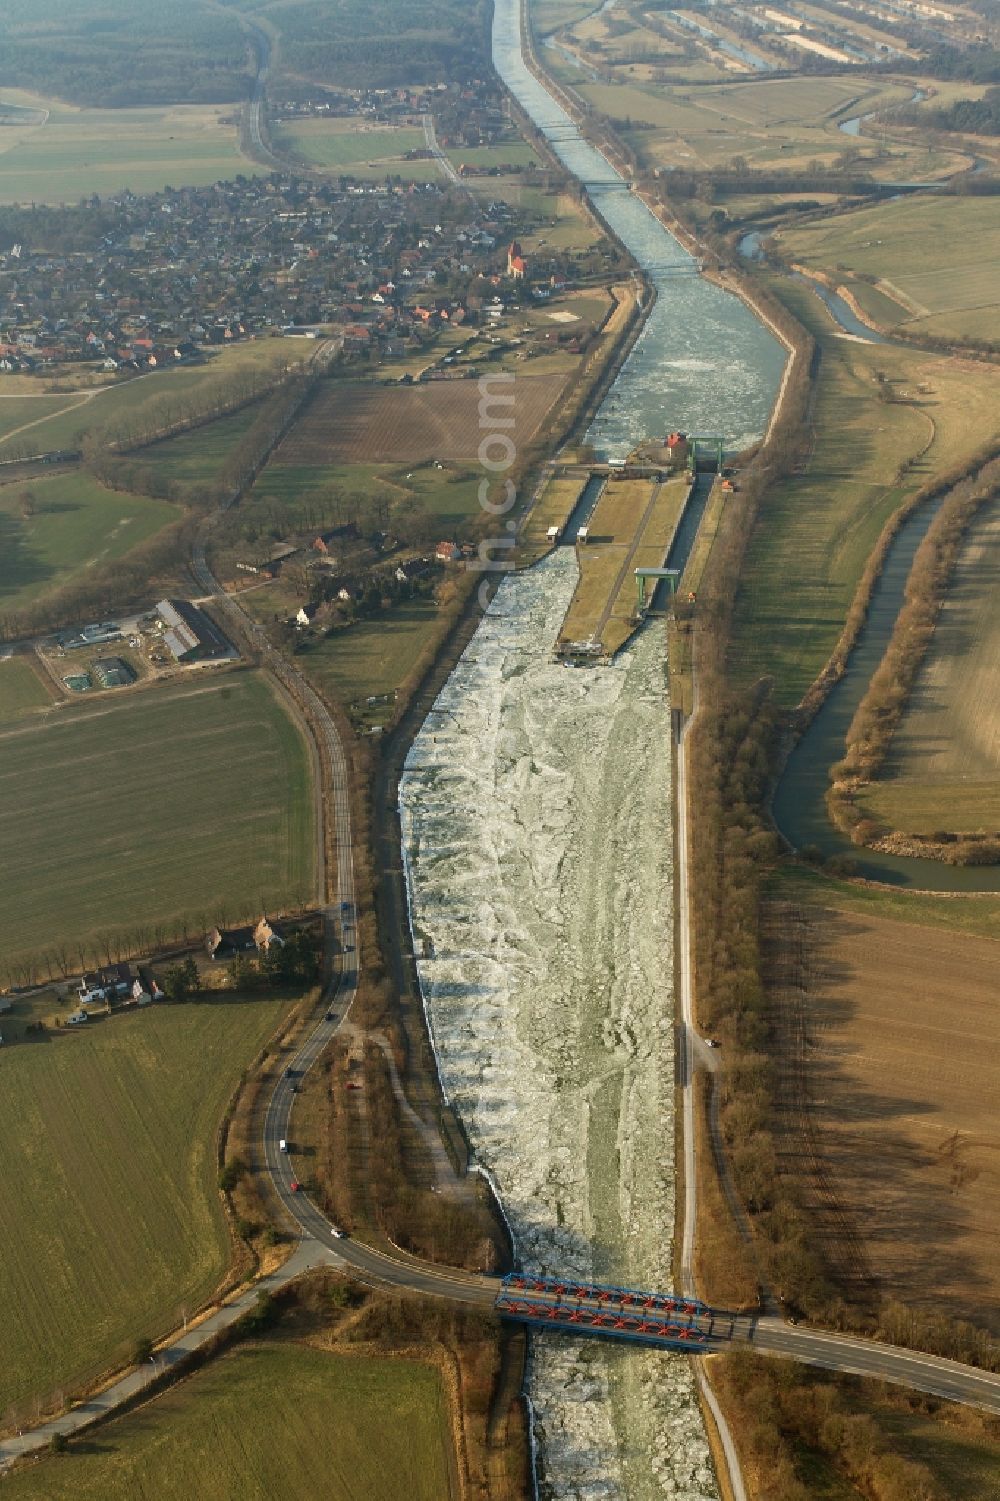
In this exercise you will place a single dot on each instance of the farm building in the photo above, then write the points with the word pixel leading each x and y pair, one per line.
pixel 326 541
pixel 190 634
pixel 265 935
pixel 103 984
pixel 226 943
pixel 112 672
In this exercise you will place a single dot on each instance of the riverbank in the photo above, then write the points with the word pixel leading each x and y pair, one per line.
pixel 539 867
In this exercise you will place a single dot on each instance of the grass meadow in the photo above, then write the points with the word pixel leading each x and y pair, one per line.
pixel 82 151
pixel 815 531
pixel 345 146
pixel 196 457
pixel 967 912
pixel 169 807
pixel 110 1218
pixel 286 493
pixel 54 529
pixel 75 417
pixel 372 656
pixel 23 691
pixel 941 266
pixel 265 1422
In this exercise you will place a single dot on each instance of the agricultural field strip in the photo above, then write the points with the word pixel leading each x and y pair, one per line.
pixel 84 784
pixel 268 1420
pixel 111 1218
pixel 905 1036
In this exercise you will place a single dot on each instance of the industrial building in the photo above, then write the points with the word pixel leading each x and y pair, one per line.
pixel 112 672
pixel 190 635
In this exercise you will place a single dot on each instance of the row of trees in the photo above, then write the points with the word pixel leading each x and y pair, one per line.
pixel 880 711
pixel 976 116
pixel 170 410
pixel 117 945
pixel 803 1430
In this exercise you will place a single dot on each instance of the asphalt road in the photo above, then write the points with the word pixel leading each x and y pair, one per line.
pixel 862 1357
pixel 430 136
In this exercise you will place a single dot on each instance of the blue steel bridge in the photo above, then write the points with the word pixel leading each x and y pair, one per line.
pixel 662 1319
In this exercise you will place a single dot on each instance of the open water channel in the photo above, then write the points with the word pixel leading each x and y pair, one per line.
pixel 536 814
pixel 537 831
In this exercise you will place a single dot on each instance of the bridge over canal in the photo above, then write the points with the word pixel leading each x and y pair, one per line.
pixel 623 1313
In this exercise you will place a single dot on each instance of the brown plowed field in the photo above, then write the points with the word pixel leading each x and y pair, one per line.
pixel 411 424
pixel 890 1044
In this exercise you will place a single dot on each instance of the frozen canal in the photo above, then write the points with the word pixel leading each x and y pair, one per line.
pixel 537 830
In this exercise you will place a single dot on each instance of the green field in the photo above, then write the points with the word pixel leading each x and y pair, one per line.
pixel 22 414
pixel 292 491
pixel 372 656
pixel 111 1220
pixel 943 265
pixel 83 151
pixel 266 1423
pixel 509 153
pixel 347 144
pixel 967 912
pixel 76 417
pixel 74 523
pixel 168 805
pixel 196 457
pixel 815 531
pixel 22 690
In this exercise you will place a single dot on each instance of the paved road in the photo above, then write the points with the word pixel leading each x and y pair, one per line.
pixel 863 1357
pixel 430 136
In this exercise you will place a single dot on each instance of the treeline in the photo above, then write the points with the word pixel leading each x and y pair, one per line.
pixel 171 411
pixel 800 1432
pixel 113 454
pixel 733 745
pixel 740 180
pixel 979 64
pixel 67 227
pixel 169 934
pixel 377 44
pixel 976 116
pixel 113 53
pixel 878 715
